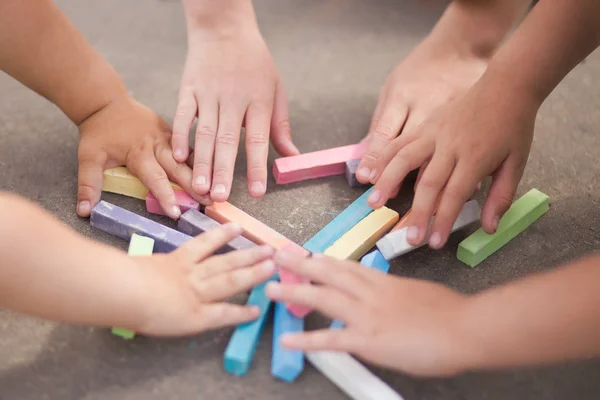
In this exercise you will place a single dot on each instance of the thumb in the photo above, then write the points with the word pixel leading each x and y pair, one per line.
pixel 502 191
pixel 89 188
pixel 281 135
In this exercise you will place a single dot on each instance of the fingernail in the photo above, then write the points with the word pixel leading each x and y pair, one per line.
pixel 435 240
pixel 254 310
pixel 219 189
pixel 412 233
pixel 287 339
pixel 84 207
pixel 257 187
pixel 281 256
pixel 372 175
pixel 495 222
pixel 267 250
pixel 200 180
pixel 268 266
pixel 175 211
pixel 363 172
pixel 374 197
pixel 273 289
pixel 318 255
pixel 234 226
pixel 178 153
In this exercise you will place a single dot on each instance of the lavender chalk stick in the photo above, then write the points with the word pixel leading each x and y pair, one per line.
pixel 193 223
pixel 123 223
pixel 351 166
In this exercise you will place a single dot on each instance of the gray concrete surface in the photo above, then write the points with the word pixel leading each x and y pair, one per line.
pixel 333 56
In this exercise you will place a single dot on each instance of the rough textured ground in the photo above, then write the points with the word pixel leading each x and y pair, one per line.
pixel 333 56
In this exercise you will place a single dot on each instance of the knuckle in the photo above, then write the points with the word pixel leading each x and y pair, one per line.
pixel 372 157
pixel 220 172
pixel 257 138
pixel 205 132
pixel 200 164
pixel 227 138
pixel 86 191
pixel 384 132
pixel 285 126
pixel 455 192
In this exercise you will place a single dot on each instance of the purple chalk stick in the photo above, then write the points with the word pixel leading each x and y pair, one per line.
pixel 351 166
pixel 193 223
pixel 123 223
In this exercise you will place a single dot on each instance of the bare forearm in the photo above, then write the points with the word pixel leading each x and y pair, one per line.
pixel 49 271
pixel 42 49
pixel 221 17
pixel 550 317
pixel 553 39
pixel 480 26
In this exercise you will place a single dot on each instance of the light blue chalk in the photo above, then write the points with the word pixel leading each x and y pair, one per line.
pixel 242 345
pixel 286 364
pixel 372 260
pixel 341 224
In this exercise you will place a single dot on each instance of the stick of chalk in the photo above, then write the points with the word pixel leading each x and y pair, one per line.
pixel 194 223
pixel 286 364
pixel 350 172
pixel 317 164
pixel 351 376
pixel 184 202
pixel 521 214
pixel 395 243
pixel 138 246
pixel 120 181
pixel 286 277
pixel 242 345
pixel 123 223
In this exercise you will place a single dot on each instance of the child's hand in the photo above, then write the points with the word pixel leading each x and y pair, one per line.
pixel 486 132
pixel 436 72
pixel 127 133
pixel 229 82
pixel 185 291
pixel 405 324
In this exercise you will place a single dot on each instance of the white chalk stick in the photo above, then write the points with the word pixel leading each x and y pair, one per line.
pixel 351 376
pixel 395 244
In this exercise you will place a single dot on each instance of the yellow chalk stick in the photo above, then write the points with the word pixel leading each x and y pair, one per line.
pixel 120 181
pixel 362 237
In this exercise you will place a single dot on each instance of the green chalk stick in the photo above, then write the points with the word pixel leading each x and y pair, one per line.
pixel 519 216
pixel 138 246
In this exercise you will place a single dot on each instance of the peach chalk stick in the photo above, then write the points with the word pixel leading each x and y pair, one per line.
pixel 120 181
pixel 184 201
pixel 317 164
pixel 254 230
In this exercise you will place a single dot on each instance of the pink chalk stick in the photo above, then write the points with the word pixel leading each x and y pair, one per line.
pixel 287 277
pixel 184 201
pixel 316 164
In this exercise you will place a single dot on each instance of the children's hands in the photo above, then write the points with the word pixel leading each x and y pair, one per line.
pixel 486 132
pixel 230 81
pixel 125 132
pixel 433 74
pixel 185 291
pixel 405 324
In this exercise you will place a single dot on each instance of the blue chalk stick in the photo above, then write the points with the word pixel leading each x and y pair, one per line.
pixel 286 364
pixel 242 345
pixel 123 223
pixel 341 224
pixel 372 260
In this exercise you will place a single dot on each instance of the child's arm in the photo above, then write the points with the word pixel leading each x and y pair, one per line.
pixel 424 328
pixel 229 78
pixel 489 130
pixel 42 49
pixel 49 271
pixel 442 67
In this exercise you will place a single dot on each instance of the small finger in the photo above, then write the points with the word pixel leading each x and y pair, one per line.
pixel 224 285
pixel 329 301
pixel 428 191
pixel 501 194
pixel 459 188
pixel 281 133
pixel 219 315
pixel 324 339
pixel 184 117
pixel 204 148
pixel 154 177
pixel 387 128
pixel 226 148
pixel 233 260
pixel 258 121
pixel 408 158
pixel 207 243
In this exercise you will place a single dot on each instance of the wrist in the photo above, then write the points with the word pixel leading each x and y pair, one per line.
pixel 218 19
pixel 477 29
